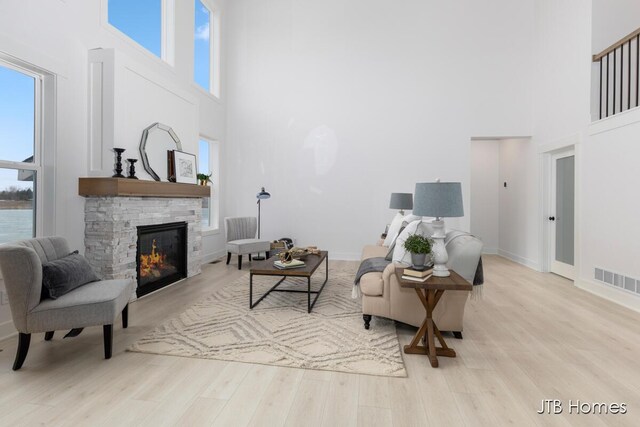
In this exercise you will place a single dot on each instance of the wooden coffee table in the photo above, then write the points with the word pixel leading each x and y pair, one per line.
pixel 266 268
pixel 433 289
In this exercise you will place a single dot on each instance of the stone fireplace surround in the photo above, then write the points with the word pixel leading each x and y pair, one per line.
pixel 111 230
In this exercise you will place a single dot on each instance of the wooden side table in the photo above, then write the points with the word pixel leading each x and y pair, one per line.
pixel 429 293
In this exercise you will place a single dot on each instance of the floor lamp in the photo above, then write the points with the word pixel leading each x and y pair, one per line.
pixel 262 195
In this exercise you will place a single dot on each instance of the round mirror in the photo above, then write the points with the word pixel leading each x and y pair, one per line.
pixel 156 143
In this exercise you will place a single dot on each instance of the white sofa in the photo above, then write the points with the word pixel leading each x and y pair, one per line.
pixel 383 296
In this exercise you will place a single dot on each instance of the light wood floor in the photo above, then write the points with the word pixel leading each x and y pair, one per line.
pixel 533 336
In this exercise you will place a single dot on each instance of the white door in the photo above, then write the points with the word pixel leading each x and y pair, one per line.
pixel 562 214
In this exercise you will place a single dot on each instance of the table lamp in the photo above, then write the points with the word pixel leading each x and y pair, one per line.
pixel 262 195
pixel 401 201
pixel 439 200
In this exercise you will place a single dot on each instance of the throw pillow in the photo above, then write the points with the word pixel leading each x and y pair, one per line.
pixel 66 274
pixel 392 233
pixel 400 254
pixel 389 256
pixel 411 217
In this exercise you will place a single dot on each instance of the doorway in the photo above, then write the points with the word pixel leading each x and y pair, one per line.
pixel 504 180
pixel 561 219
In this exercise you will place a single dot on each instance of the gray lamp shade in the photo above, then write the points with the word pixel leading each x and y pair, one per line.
pixel 438 199
pixel 401 201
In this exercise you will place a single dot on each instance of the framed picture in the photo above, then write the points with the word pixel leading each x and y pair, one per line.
pixel 184 165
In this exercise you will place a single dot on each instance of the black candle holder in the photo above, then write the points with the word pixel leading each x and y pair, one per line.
pixel 118 168
pixel 132 168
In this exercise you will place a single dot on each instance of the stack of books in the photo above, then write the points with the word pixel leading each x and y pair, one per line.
pixel 295 263
pixel 417 276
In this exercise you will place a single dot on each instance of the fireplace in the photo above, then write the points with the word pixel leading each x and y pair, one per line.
pixel 161 257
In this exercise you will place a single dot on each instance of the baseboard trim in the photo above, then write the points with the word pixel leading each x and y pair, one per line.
pixel 207 258
pixel 7 330
pixel 490 251
pixel 345 256
pixel 618 296
pixel 520 260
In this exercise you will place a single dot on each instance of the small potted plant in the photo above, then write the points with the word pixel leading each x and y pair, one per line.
pixel 420 247
pixel 204 179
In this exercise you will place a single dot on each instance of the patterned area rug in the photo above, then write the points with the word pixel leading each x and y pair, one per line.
pixel 279 331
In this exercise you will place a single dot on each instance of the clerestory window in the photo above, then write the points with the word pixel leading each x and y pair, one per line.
pixel 150 23
pixel 206 50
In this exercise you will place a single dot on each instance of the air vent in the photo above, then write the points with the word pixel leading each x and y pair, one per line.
pixel 617 280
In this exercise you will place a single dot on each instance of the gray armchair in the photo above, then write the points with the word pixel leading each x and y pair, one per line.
pixel 94 304
pixel 240 234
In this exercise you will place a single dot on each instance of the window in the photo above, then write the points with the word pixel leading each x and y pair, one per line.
pixel 203 167
pixel 19 156
pixel 202 47
pixel 206 51
pixel 149 23
pixel 208 155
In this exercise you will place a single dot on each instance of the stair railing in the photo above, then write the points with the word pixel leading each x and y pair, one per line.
pixel 619 75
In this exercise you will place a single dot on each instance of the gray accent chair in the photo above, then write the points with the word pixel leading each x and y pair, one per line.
pixel 240 233
pixel 94 304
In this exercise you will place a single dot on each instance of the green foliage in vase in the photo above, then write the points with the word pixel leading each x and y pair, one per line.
pixel 417 244
pixel 204 177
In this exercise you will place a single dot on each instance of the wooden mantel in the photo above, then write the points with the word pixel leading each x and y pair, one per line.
pixel 124 187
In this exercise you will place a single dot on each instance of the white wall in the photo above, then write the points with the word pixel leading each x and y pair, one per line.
pixel 609 206
pixel 519 214
pixel 610 173
pixel 150 89
pixel 561 79
pixel 484 210
pixel 333 105
pixel 612 204
pixel 605 152
pixel 613 20
pixel 562 69
pixel 56 36
pixel 561 110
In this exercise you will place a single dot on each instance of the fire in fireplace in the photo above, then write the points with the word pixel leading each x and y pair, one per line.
pixel 155 264
pixel 161 256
